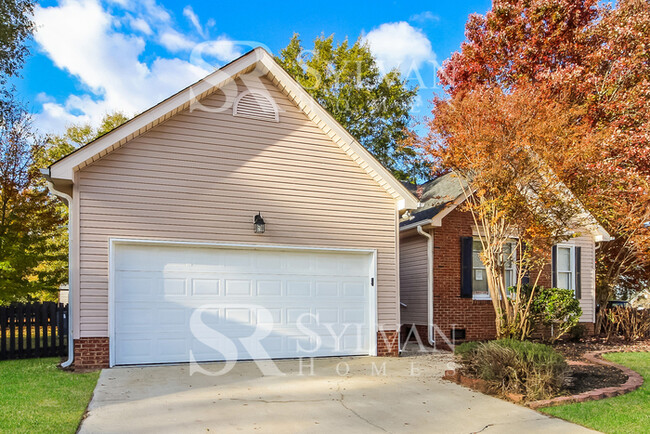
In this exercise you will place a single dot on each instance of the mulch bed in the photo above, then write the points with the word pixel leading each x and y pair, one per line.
pixel 586 378
pixel 576 350
pixel 583 376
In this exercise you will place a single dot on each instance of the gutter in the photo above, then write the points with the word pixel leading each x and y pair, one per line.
pixel 416 224
pixel 429 237
pixel 68 200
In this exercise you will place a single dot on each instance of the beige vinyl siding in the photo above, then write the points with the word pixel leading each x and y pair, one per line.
pixel 413 279
pixel 202 176
pixel 588 273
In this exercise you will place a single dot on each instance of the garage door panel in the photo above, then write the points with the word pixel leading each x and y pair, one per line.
pixel 236 287
pixel 239 293
pixel 298 288
pixel 206 286
pixel 269 288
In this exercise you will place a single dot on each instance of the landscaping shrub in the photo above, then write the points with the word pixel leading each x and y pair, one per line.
pixel 631 324
pixel 512 366
pixel 577 332
pixel 555 308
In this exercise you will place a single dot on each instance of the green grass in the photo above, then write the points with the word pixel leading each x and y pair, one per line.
pixel 36 396
pixel 628 413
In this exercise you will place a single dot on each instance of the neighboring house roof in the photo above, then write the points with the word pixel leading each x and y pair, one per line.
pixel 258 59
pixel 443 194
pixel 438 198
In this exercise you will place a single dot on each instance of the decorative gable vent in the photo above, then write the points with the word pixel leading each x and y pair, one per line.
pixel 257 106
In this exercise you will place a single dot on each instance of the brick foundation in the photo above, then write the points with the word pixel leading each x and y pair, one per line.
pixel 388 343
pixel 407 332
pixel 91 353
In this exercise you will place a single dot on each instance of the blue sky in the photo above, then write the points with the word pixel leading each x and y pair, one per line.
pixel 91 57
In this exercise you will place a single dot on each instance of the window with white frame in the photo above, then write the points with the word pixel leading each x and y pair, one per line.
pixel 479 276
pixel 565 272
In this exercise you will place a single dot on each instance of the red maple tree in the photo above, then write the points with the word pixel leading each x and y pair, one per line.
pixel 592 58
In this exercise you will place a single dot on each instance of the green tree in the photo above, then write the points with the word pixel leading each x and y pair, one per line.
pixel 75 136
pixel 32 260
pixel 33 224
pixel 15 28
pixel 374 108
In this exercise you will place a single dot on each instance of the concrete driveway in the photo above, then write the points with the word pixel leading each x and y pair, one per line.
pixel 396 395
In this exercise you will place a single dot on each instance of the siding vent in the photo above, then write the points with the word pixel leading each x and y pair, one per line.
pixel 257 106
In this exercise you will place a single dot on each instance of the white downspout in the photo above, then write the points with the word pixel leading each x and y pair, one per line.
pixel 430 335
pixel 68 199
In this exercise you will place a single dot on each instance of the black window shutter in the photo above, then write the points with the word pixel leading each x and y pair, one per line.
pixel 525 279
pixel 554 266
pixel 578 253
pixel 466 266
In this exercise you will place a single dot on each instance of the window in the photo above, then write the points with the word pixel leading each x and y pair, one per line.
pixel 565 267
pixel 479 276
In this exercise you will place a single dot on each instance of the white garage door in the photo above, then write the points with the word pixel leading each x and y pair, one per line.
pixel 179 303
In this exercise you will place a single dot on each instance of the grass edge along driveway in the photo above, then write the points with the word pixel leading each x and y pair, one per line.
pixel 36 396
pixel 629 413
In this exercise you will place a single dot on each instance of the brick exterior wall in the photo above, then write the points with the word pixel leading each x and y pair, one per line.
pixel 449 309
pixel 91 353
pixel 407 332
pixel 388 343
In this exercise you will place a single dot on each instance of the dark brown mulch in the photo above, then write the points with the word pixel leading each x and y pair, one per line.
pixel 584 378
pixel 575 350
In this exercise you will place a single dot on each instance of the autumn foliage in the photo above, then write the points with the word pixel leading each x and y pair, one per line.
pixel 571 82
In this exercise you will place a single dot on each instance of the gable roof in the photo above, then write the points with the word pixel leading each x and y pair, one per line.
pixel 438 198
pixel 443 194
pixel 257 59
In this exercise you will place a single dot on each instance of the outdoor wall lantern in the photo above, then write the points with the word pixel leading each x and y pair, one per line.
pixel 259 224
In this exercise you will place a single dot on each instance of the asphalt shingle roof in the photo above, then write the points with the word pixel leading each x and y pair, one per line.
pixel 435 196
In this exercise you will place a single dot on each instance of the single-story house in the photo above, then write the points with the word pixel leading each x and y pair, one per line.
pixel 234 220
pixel 443 289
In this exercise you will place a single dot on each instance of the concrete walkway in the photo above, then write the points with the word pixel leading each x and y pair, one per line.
pixel 376 395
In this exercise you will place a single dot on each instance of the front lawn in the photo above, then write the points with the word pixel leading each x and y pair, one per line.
pixel 36 396
pixel 628 413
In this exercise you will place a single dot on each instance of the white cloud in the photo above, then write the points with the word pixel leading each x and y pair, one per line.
pixel 82 38
pixel 175 41
pixel 222 48
pixel 424 17
pixel 155 11
pixel 140 25
pixel 188 12
pixel 399 45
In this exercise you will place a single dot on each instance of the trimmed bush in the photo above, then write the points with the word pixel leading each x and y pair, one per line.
pixel 557 309
pixel 512 366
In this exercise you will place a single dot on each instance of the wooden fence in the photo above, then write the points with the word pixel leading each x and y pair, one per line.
pixel 33 330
